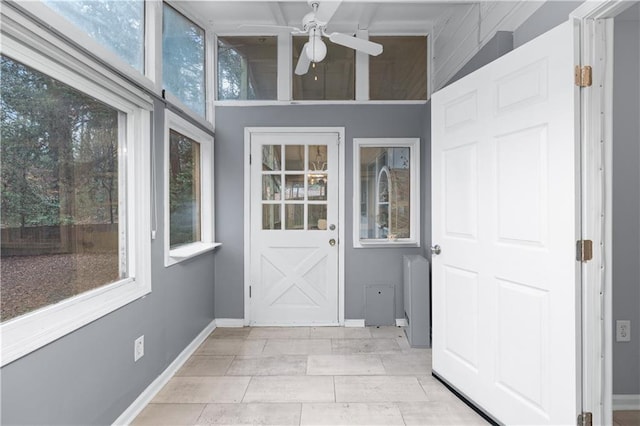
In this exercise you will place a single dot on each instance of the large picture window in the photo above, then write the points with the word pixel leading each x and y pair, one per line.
pixel 400 72
pixel 386 209
pixel 183 59
pixel 189 193
pixel 74 244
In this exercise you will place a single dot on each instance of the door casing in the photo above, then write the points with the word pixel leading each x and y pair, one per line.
pixel 247 209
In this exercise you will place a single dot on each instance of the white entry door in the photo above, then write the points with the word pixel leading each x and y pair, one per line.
pixel 505 155
pixel 294 228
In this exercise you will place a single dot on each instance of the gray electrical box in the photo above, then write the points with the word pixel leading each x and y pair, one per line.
pixel 379 305
pixel 417 306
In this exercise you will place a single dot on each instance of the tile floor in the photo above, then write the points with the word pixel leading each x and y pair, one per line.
pixel 307 376
pixel 626 418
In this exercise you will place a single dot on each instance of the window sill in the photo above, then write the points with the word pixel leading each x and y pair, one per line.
pixel 386 243
pixel 188 251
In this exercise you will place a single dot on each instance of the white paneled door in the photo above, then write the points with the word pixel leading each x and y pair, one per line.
pixel 294 228
pixel 505 155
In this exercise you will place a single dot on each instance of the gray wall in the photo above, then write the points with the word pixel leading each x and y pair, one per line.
pixel 548 16
pixel 499 44
pixel 626 199
pixel 363 266
pixel 88 377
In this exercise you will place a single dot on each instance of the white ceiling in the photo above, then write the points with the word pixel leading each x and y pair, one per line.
pixel 379 17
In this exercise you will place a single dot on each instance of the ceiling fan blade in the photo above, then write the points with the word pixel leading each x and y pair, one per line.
pixel 295 30
pixel 303 62
pixel 326 9
pixel 359 44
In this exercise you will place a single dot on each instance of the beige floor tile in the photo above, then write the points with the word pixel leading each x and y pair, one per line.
pixel 435 390
pixel 169 414
pixel 250 414
pixel 297 347
pixel 438 413
pixel 205 365
pixel 203 390
pixel 279 333
pixel 351 414
pixel 378 389
pixel 358 346
pixel 340 333
pixel 627 417
pixel 290 389
pixel 230 333
pixel 231 347
pixel 280 365
pixel 407 363
pixel 343 365
pixel 389 332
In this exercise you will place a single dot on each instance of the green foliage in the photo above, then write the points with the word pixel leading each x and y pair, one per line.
pixel 59 152
pixel 184 189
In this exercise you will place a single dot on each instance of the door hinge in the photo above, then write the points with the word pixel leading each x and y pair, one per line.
pixel 583 76
pixel 249 158
pixel 585 419
pixel 249 292
pixel 584 250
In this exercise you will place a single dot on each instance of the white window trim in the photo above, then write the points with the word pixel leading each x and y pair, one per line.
pixel 207 241
pixel 26 42
pixel 414 163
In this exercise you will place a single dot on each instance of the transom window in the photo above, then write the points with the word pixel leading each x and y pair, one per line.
pixel 386 210
pixel 183 59
pixel 247 68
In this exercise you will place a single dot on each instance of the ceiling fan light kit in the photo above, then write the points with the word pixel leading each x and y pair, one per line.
pixel 314 24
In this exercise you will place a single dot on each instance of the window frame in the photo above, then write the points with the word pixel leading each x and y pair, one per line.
pixel 414 201
pixel 207 242
pixel 28 43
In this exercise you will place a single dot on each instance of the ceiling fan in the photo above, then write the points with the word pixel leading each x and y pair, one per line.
pixel 314 24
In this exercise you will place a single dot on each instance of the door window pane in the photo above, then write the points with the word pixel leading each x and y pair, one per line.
pixel 184 190
pixel 294 214
pixel 183 59
pixel 247 68
pixel 331 79
pixel 60 227
pixel 294 157
pixel 400 72
pixel 271 157
pixel 271 216
pixel 116 24
pixel 294 187
pixel 271 187
pixel 317 217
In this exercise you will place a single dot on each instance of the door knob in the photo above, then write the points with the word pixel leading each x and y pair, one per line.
pixel 436 250
pixel 332 242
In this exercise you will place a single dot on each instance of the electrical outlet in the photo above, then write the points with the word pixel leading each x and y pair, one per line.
pixel 623 331
pixel 138 348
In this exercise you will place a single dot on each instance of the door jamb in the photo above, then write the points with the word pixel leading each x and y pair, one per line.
pixel 596 48
pixel 341 209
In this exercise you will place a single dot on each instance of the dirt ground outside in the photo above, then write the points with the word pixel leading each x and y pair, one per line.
pixel 28 283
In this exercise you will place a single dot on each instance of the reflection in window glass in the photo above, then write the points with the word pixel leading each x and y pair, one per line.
pixel 247 68
pixel 116 24
pixel 59 225
pixel 184 187
pixel 183 59
pixel 385 193
pixel 400 72
pixel 331 79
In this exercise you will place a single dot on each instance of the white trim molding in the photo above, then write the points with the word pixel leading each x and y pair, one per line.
pixel 354 323
pixel 626 402
pixel 230 322
pixel 136 407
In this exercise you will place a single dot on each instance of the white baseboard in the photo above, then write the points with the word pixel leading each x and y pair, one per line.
pixel 230 322
pixel 150 392
pixel 625 402
pixel 401 322
pixel 354 323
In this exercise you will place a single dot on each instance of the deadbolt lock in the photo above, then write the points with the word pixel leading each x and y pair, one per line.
pixel 332 242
